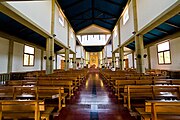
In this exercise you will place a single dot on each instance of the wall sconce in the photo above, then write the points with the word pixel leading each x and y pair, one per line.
pixel 145 55
pixel 138 56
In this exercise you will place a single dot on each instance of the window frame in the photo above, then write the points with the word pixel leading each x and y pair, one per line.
pixel 164 63
pixel 29 56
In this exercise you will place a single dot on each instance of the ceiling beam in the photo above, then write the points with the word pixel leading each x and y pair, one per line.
pixel 79 14
pixel 172 25
pixel 72 4
pixel 161 30
pixel 105 12
pixel 112 2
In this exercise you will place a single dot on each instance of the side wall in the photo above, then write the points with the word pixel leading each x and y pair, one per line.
pixel 18 59
pixel 175 53
pixel 37 11
pixel 147 10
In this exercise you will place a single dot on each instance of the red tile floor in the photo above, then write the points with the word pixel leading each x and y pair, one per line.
pixel 94 102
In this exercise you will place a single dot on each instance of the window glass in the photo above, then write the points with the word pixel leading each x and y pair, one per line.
pixel 28 49
pixel 164 56
pixel 28 56
pixel 167 57
pixel 163 46
pixel 125 16
pixel 26 59
pixel 61 19
pixel 161 59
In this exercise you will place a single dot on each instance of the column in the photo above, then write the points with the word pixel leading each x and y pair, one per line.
pixel 133 59
pixel 66 59
pixel 113 60
pixel 74 60
pixel 49 55
pixel 149 58
pixel 121 57
pixel 42 58
pixel 139 53
pixel 10 56
pixel 56 62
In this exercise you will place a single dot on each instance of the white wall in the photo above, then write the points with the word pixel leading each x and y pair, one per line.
pixel 127 29
pixel 60 31
pixel 147 10
pixel 37 11
pixel 109 49
pixel 175 54
pixel 4 48
pixel 18 59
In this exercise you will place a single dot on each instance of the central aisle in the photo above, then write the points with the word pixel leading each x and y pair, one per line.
pixel 94 102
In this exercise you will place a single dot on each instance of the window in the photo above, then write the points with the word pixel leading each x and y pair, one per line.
pixel 61 19
pixel 115 32
pixel 28 56
pixel 125 16
pixel 164 53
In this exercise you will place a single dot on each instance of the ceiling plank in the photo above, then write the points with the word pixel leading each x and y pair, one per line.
pixel 153 34
pixel 93 3
pixel 112 18
pixel 80 13
pixel 106 22
pixel 114 3
pixel 105 12
pixel 73 4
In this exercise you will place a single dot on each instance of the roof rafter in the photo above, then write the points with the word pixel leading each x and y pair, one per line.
pixel 168 23
pixel 161 30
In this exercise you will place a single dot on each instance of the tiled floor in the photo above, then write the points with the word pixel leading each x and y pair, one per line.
pixel 94 102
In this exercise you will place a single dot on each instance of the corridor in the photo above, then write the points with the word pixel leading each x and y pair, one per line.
pixel 94 102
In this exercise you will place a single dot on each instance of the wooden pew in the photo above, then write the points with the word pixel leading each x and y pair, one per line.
pixel 66 84
pixel 149 92
pixel 160 110
pixel 119 84
pixel 17 109
pixel 35 92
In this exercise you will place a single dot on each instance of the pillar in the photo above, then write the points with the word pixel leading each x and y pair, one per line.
pixel 133 65
pixel 49 55
pixel 67 59
pixel 10 56
pixel 121 57
pixel 113 60
pixel 42 58
pixel 74 60
pixel 149 58
pixel 139 53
